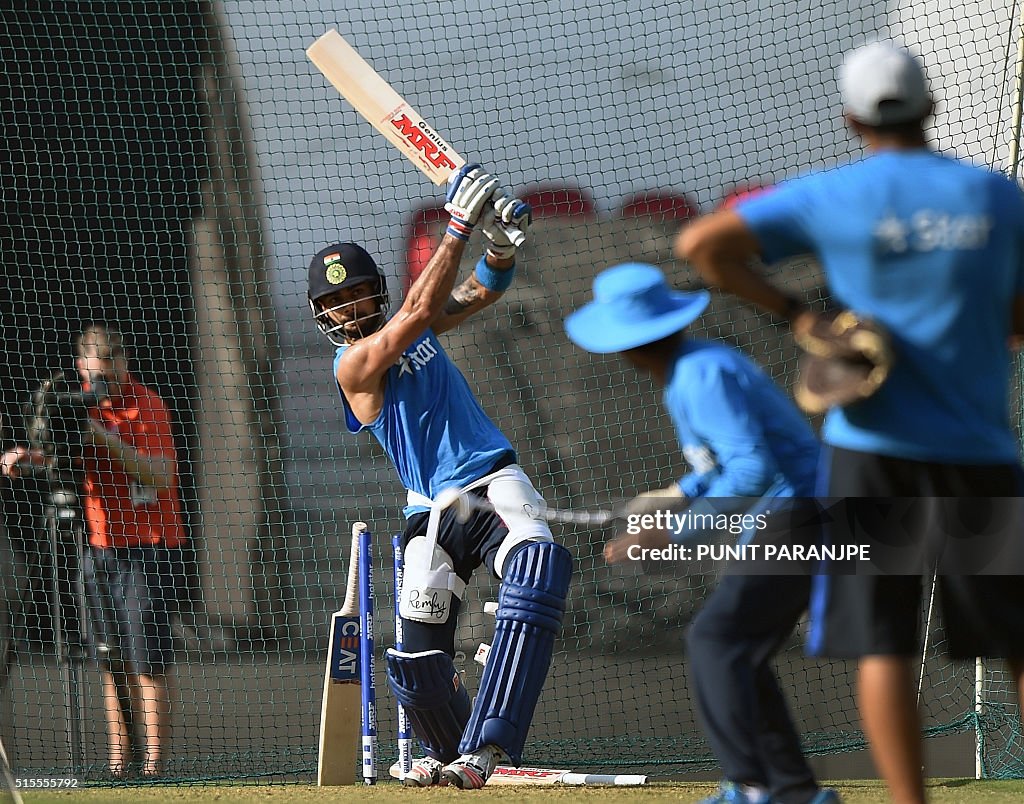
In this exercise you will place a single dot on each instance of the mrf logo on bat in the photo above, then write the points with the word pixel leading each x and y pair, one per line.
pixel 345 656
pixel 424 139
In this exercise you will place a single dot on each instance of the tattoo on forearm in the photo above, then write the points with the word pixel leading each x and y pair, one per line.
pixel 463 297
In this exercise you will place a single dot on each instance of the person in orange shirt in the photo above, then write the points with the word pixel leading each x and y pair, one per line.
pixel 132 566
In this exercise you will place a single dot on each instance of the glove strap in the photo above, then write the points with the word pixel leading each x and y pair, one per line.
pixel 492 278
pixel 460 229
pixel 499 252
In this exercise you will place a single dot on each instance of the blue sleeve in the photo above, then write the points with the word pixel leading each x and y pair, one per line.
pixel 722 415
pixel 780 219
pixel 695 482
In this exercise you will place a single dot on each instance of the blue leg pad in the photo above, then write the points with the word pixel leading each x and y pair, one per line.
pixel 435 701
pixel 531 604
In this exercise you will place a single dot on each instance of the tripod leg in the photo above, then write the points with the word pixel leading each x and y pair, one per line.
pixel 66 627
pixel 5 767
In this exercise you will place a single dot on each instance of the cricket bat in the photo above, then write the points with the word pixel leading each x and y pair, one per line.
pixel 385 109
pixel 340 709
pixel 388 112
pixel 504 775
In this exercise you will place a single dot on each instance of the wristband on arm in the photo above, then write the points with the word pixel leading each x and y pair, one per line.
pixel 495 279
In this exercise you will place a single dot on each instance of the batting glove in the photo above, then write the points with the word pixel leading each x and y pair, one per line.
pixel 505 230
pixel 469 190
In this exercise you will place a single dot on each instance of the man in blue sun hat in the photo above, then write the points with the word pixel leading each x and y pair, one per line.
pixel 749 448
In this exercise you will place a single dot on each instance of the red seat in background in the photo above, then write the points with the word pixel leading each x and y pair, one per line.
pixel 665 205
pixel 551 200
pixel 422 238
pixel 548 200
pixel 740 191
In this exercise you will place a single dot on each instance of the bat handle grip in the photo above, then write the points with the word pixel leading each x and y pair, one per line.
pixel 517 237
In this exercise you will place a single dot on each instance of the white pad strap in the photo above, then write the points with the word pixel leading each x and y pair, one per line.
pixel 429 582
pixel 443 578
pixel 451 495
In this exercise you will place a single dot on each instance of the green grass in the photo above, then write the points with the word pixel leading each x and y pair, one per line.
pixel 941 791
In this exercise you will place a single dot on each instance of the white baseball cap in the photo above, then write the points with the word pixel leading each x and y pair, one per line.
pixel 883 84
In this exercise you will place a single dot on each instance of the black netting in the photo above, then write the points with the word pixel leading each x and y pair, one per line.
pixel 170 167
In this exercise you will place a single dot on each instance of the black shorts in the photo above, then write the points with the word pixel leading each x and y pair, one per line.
pixel 132 592
pixel 854 615
pixel 470 543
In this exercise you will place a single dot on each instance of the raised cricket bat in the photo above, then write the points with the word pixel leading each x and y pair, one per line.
pixel 375 100
pixel 340 710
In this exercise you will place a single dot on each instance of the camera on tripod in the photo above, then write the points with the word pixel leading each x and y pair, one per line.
pixel 57 421
pixel 56 417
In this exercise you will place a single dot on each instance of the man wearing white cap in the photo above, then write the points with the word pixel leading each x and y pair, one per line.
pixel 932 249
pixel 750 450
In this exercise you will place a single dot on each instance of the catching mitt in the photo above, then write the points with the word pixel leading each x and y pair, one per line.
pixel 846 358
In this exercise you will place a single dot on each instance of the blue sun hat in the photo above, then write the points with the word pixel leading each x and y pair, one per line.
pixel 633 305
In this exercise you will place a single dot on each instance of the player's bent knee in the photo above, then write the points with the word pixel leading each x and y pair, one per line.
pixel 694 644
pixel 535 585
pixel 419 637
pixel 531 606
pixel 709 646
pixel 436 703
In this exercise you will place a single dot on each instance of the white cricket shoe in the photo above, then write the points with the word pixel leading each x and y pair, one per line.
pixel 425 772
pixel 471 771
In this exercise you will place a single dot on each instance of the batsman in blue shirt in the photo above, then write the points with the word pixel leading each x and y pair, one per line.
pixel 749 449
pixel 396 381
pixel 932 249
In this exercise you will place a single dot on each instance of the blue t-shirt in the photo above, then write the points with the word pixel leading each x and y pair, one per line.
pixel 431 425
pixel 739 432
pixel 933 249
